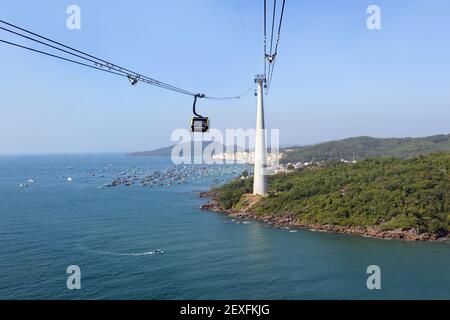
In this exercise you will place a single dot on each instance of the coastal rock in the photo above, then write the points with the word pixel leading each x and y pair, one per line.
pixel 290 221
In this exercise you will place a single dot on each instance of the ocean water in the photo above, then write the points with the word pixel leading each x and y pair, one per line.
pixel 112 234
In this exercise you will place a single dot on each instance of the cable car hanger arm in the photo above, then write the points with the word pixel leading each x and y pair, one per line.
pixel 198 95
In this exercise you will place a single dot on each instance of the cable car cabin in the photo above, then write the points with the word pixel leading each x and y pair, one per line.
pixel 200 124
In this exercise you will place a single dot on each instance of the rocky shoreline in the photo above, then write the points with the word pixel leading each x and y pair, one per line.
pixel 290 222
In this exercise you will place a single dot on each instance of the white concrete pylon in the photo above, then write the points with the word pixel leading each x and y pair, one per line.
pixel 260 179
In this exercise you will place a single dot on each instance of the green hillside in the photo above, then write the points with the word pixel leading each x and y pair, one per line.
pixel 386 193
pixel 367 147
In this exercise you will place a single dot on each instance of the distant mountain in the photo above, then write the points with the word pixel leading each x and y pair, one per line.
pixel 351 148
pixel 366 147
pixel 162 152
pixel 167 151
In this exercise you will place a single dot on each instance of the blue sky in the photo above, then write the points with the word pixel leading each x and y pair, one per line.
pixel 334 78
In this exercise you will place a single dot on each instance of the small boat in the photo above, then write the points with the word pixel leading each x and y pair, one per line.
pixel 69 179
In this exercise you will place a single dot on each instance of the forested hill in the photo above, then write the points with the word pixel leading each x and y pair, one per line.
pixel 366 147
pixel 380 194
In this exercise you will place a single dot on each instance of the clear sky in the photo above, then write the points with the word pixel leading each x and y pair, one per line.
pixel 334 78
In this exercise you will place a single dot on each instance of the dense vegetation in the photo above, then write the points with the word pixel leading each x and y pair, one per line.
pixel 389 193
pixel 367 147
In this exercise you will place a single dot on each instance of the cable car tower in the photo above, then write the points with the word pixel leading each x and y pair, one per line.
pixel 260 179
pixel 264 81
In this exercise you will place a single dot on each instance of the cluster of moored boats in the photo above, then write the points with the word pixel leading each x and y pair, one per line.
pixel 148 177
pixel 175 175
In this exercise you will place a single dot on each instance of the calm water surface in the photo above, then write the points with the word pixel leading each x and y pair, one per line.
pixel 111 234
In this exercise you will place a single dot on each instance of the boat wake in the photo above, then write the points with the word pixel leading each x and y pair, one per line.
pixel 157 251
pixel 120 254
pixel 137 254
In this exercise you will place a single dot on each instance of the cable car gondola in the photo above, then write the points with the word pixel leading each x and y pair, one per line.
pixel 199 123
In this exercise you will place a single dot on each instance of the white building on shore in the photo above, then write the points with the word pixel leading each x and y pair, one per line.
pixel 244 157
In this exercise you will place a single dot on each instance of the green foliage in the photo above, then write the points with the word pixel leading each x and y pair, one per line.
pixel 366 147
pixel 229 194
pixel 387 192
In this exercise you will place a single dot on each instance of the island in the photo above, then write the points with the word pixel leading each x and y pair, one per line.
pixel 386 197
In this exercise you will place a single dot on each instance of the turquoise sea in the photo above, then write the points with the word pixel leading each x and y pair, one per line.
pixel 112 235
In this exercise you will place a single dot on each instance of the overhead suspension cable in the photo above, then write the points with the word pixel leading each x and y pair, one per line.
pixel 279 27
pixel 270 57
pixel 99 62
pixel 93 62
pixel 265 38
pixel 59 57
pixel 230 98
pixel 276 46
pixel 273 23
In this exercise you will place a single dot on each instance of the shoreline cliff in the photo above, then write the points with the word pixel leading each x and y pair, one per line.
pixel 278 221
